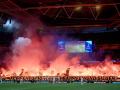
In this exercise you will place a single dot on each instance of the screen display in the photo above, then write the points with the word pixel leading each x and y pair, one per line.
pixel 75 46
pixel 88 46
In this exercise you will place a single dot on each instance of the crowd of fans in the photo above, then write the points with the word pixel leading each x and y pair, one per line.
pixel 68 79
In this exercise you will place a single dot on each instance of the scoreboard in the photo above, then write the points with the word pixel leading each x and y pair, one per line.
pixel 76 46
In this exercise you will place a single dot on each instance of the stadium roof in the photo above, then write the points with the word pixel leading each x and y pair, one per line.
pixel 66 13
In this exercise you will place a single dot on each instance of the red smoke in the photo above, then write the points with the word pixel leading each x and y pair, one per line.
pixel 33 56
pixel 41 57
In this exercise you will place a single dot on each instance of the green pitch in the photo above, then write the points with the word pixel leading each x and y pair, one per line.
pixel 48 86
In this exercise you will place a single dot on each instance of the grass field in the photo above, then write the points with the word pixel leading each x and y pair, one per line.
pixel 48 86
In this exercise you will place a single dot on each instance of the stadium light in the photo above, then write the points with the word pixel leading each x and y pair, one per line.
pixel 8 24
pixel 98 7
pixel 78 8
pixel 11 24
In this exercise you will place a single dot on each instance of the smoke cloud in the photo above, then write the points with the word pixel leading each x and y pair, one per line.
pixel 34 55
pixel 20 43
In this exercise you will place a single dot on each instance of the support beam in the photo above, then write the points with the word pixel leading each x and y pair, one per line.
pixel 77 26
pixel 70 6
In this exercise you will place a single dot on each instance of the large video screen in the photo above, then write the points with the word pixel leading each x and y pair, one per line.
pixel 76 46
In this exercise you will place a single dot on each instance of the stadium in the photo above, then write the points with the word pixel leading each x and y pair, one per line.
pixel 59 44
